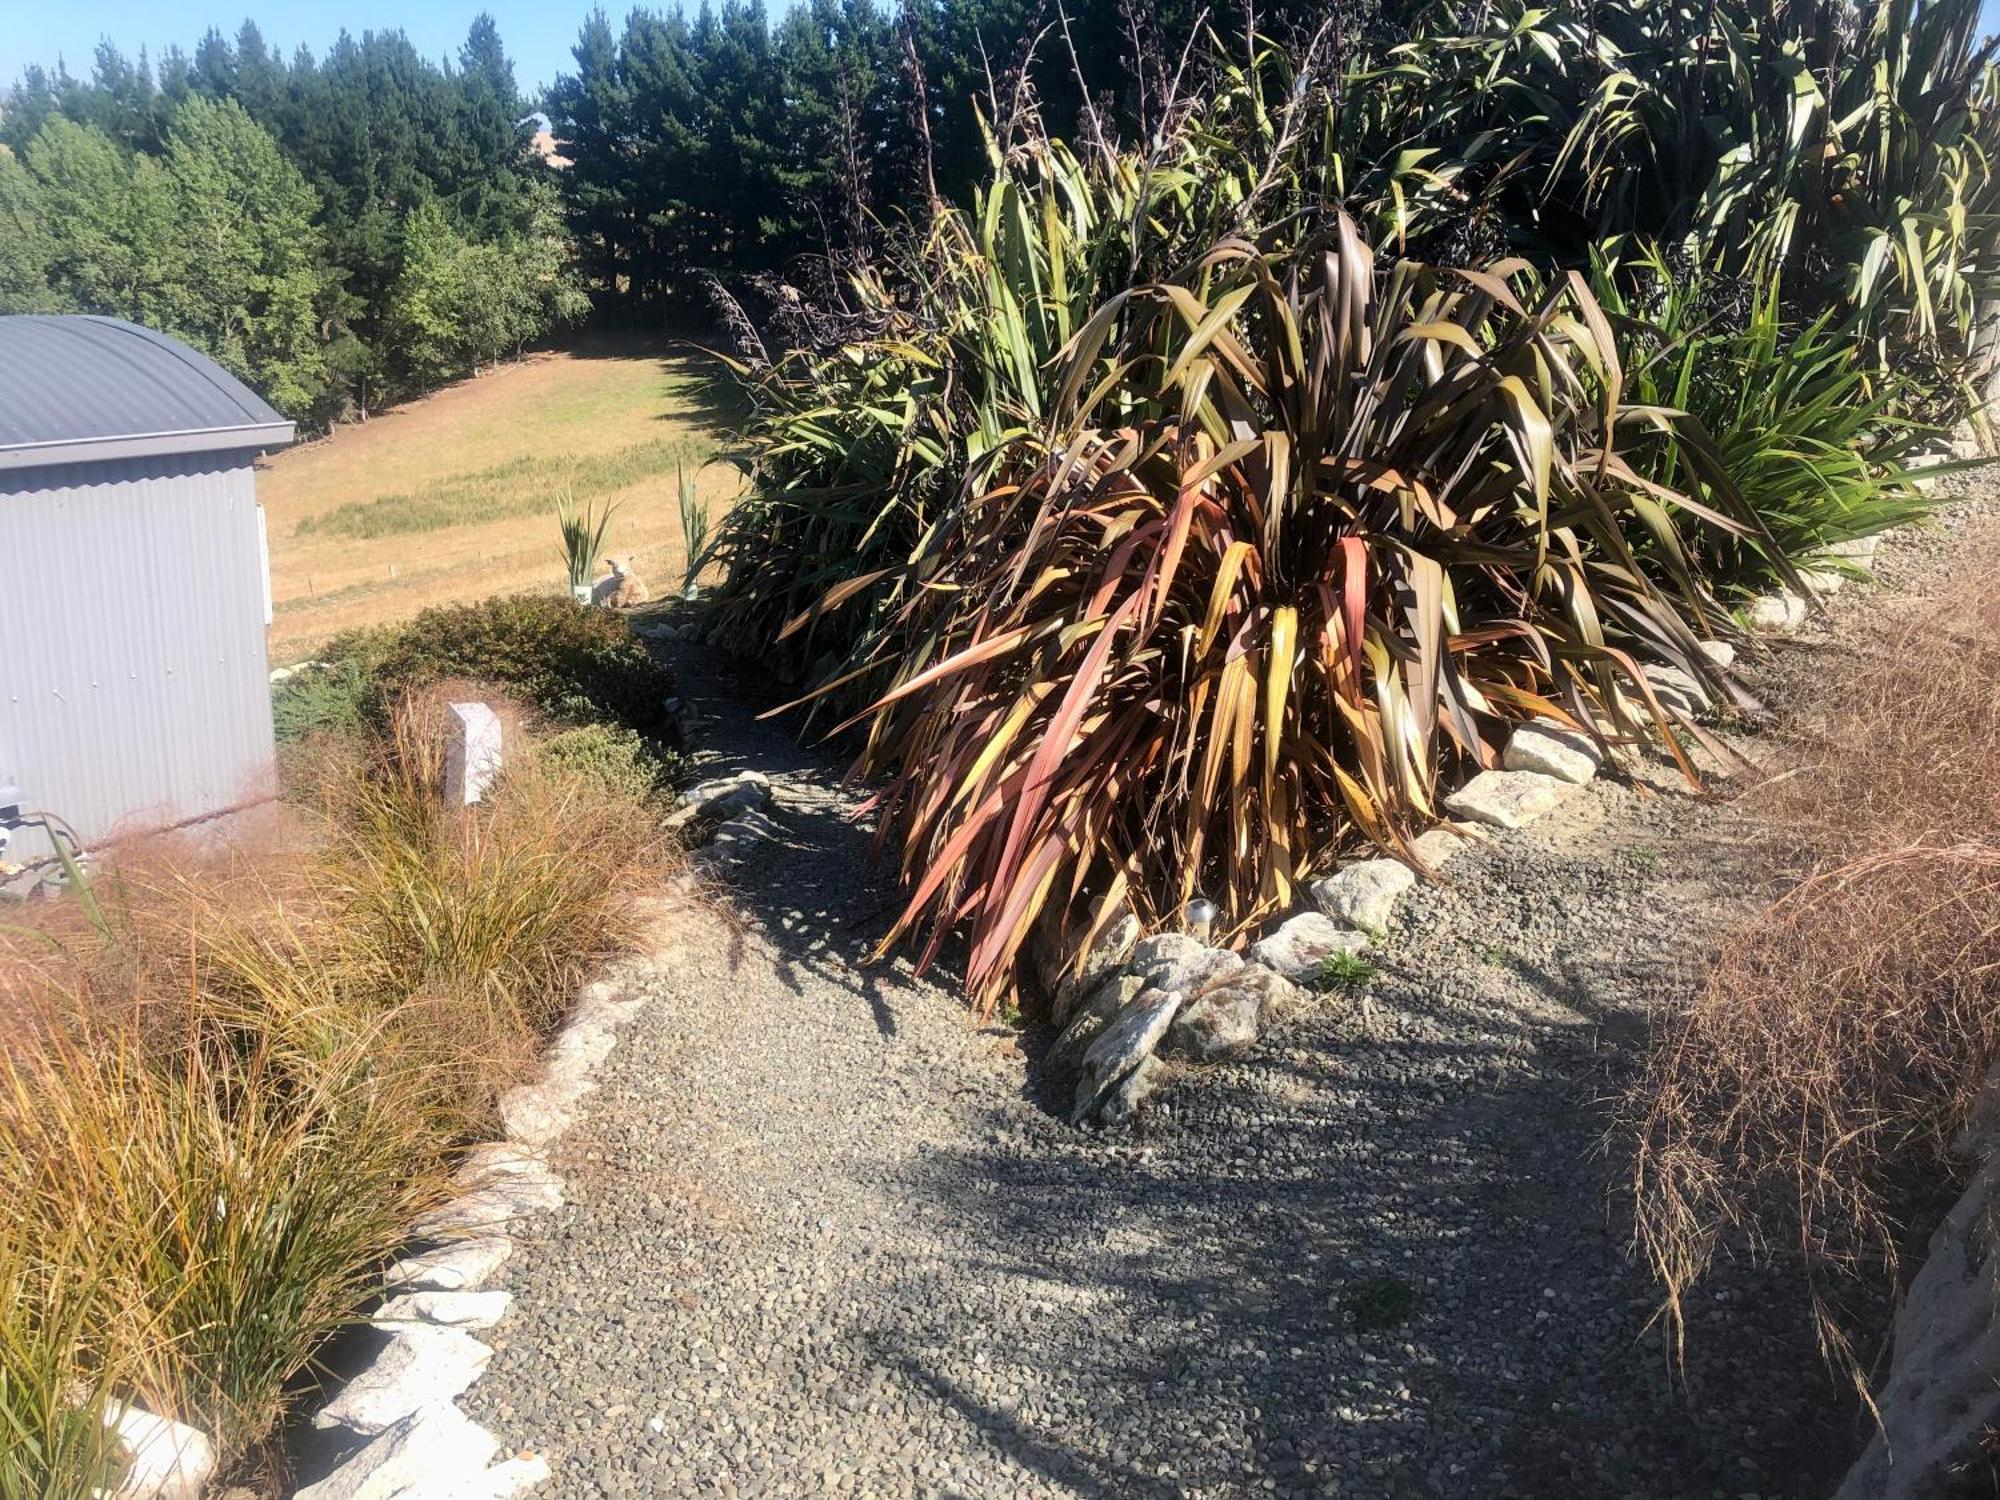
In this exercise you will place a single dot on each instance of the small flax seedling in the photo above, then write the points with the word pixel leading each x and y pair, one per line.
pixel 694 525
pixel 583 527
pixel 1340 971
pixel 1644 856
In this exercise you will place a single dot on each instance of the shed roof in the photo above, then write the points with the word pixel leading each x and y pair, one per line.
pixel 79 389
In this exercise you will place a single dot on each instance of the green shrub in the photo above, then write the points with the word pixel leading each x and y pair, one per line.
pixel 1813 446
pixel 1844 149
pixel 572 662
pixel 609 757
pixel 318 699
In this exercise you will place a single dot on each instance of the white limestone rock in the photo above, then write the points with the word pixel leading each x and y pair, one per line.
pixel 420 1367
pixel 1720 654
pixel 1941 1401
pixel 575 1055
pixel 537 1114
pixel 1776 614
pixel 1861 550
pixel 1303 943
pixel 1550 749
pixel 468 1310
pixel 511 1477
pixel 723 798
pixel 165 1459
pixel 1127 1042
pixel 1678 690
pixel 1364 894
pixel 431 1445
pixel 1110 954
pixel 1507 799
pixel 1226 1019
pixel 1438 847
pixel 459 1266
pixel 501 1182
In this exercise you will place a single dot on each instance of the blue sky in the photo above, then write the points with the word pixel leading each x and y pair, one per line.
pixel 538 35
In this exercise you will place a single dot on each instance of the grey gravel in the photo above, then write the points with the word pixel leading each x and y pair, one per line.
pixel 825 1236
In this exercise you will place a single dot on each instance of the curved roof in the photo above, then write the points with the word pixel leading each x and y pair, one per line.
pixel 80 389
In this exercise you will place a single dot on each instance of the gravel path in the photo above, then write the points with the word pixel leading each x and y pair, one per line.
pixel 824 1237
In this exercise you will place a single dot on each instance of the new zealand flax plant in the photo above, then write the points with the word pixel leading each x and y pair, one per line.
pixel 1297 548
pixel 865 450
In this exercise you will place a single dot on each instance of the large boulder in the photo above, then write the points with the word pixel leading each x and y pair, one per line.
pixel 1111 1060
pixel 1942 1401
pixel 1551 749
pixel 1305 942
pixel 467 1310
pixel 1090 1021
pixel 724 797
pixel 422 1366
pixel 1364 894
pixel 1175 961
pixel 1104 960
pixel 1506 799
pixel 435 1453
pixel 1780 613
pixel 1118 1107
pixel 164 1459
pixel 458 1266
pixel 1226 1019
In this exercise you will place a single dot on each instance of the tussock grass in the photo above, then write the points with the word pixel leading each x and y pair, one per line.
pixel 519 487
pixel 1835 1055
pixel 220 1108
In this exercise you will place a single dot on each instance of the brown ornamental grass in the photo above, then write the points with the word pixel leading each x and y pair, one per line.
pixel 228 1085
pixel 1830 1065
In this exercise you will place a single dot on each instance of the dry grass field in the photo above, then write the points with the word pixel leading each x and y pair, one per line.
pixel 452 497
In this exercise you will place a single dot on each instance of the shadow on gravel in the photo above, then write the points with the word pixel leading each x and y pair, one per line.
pixel 1325 1273
pixel 1367 1261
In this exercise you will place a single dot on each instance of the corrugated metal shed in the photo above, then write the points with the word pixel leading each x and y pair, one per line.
pixel 134 690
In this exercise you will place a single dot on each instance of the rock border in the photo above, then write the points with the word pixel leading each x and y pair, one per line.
pixel 1172 995
pixel 408 1439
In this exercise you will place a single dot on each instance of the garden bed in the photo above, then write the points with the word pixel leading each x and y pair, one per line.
pixel 237 1078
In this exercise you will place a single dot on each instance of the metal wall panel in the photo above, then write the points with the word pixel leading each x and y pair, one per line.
pixel 134 690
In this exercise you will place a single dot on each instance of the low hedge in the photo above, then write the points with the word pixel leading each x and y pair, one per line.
pixel 575 664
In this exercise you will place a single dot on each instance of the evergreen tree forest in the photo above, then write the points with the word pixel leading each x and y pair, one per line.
pixel 730 139
pixel 346 230
pixel 339 231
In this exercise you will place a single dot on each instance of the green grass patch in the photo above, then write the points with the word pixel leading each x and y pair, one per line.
pixel 1340 971
pixel 519 487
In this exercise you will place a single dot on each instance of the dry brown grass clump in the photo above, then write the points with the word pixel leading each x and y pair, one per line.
pixel 228 1086
pixel 1838 1048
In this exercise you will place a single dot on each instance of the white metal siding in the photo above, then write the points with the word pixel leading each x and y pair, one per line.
pixel 134 690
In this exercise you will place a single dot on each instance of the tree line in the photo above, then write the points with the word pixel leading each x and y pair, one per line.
pixel 728 142
pixel 346 230
pixel 338 231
